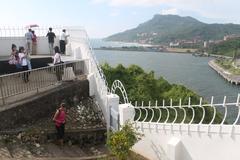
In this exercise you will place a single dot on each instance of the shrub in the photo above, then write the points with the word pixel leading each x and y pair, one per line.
pixel 121 142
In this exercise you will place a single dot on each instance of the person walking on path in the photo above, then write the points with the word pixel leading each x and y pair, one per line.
pixel 51 36
pixel 60 120
pixel 34 43
pixel 63 41
pixel 29 37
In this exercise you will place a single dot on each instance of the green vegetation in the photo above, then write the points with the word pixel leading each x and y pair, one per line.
pixel 226 48
pixel 228 66
pixel 120 142
pixel 168 28
pixel 142 86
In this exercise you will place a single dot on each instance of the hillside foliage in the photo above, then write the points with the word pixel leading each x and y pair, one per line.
pixel 142 86
pixel 168 28
pixel 227 48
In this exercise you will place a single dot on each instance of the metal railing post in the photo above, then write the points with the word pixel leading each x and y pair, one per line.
pixel 3 100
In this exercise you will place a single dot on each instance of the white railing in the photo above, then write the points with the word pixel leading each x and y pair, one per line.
pixel 16 35
pixel 118 85
pixel 185 114
pixel 19 31
pixel 79 39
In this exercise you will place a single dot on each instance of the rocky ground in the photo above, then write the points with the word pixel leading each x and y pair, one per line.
pixel 85 136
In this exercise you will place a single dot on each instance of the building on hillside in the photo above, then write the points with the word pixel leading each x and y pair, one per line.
pixel 232 36
pixel 237 62
pixel 173 44
pixel 205 44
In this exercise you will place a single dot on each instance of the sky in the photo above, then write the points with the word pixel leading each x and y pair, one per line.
pixel 102 18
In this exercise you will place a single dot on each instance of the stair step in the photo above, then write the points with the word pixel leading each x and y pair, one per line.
pixel 4 153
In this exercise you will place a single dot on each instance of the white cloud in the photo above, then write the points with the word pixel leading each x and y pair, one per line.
pixel 116 3
pixel 134 13
pixel 114 13
pixel 226 10
pixel 172 11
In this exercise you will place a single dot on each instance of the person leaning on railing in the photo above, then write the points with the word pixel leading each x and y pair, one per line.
pixel 29 37
pixel 51 36
pixel 63 41
pixel 34 43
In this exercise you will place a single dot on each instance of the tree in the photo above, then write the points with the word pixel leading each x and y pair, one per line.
pixel 141 86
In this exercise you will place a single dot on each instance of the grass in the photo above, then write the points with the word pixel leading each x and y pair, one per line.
pixel 227 65
pixel 132 156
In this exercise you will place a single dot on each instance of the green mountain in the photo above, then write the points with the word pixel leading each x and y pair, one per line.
pixel 167 28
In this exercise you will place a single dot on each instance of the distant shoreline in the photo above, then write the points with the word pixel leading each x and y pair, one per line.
pixel 138 49
pixel 234 79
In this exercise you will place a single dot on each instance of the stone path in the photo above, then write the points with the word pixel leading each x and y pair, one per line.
pixel 84 139
pixel 52 151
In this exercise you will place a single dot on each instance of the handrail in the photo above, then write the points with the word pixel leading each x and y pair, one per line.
pixel 35 79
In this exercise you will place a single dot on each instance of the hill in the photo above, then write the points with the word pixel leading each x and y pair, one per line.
pixel 168 28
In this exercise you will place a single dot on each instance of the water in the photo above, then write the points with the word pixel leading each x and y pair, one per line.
pixel 192 72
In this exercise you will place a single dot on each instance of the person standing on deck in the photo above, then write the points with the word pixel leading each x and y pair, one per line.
pixel 29 37
pixel 34 43
pixel 51 36
pixel 63 41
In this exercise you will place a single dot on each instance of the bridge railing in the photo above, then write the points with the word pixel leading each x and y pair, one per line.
pixel 20 83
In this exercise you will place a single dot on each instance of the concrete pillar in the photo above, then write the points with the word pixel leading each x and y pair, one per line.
pixel 68 49
pixel 174 149
pixel 126 112
pixel 113 111
pixel 92 84
pixel 77 53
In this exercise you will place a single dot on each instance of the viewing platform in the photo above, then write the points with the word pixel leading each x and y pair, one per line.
pixel 234 79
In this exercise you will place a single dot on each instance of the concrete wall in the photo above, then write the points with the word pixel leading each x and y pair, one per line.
pixel 184 141
pixel 41 105
pixel 178 142
pixel 6 43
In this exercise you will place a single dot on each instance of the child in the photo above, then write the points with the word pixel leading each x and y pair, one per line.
pixel 24 63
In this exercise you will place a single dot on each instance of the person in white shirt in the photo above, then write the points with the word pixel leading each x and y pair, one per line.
pixel 24 63
pixel 29 37
pixel 63 41
pixel 57 61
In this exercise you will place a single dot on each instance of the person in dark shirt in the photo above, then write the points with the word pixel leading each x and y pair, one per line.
pixel 34 43
pixel 51 35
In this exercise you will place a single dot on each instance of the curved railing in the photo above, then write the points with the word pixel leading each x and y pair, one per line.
pixel 118 85
pixel 185 114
